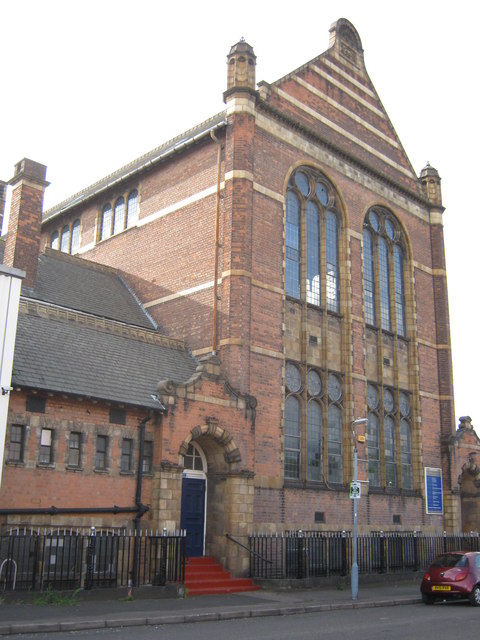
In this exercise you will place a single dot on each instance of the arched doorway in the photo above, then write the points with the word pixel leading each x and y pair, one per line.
pixel 194 500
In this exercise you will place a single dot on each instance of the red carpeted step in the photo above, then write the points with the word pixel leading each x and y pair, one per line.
pixel 206 576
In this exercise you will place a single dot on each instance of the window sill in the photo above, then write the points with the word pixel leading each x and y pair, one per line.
pixel 127 473
pixel 71 467
pixel 102 471
pixel 311 485
pixel 15 463
pixel 393 491
pixel 45 465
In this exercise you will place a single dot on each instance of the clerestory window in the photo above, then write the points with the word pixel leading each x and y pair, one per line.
pixel 119 215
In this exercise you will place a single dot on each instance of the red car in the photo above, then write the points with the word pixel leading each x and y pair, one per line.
pixel 453 575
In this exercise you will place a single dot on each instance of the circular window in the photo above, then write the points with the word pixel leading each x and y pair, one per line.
pixel 390 229
pixel 373 219
pixel 322 193
pixel 334 387
pixel 388 401
pixel 302 183
pixel 372 397
pixel 404 405
pixel 314 383
pixel 292 377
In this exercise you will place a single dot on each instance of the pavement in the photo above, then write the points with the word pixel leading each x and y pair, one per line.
pixel 151 606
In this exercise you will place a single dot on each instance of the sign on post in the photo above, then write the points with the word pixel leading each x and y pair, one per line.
pixel 434 490
pixel 355 490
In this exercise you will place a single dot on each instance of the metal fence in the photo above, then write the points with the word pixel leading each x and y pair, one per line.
pixel 40 559
pixel 308 554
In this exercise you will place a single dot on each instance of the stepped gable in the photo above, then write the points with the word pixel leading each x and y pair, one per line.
pixel 333 97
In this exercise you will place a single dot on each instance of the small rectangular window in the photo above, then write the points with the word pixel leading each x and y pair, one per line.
pixel 74 443
pixel 118 416
pixel 101 453
pixel 147 457
pixel 127 451
pixel 46 447
pixel 35 404
pixel 17 443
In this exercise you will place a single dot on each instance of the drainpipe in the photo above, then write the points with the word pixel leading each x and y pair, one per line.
pixel 217 225
pixel 141 509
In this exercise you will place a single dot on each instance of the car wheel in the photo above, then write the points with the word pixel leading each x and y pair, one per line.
pixel 475 596
pixel 427 598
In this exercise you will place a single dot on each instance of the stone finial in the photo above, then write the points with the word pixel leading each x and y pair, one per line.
pixel 465 423
pixel 241 62
pixel 430 181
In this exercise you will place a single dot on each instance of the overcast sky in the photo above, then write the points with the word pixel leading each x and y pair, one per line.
pixel 88 86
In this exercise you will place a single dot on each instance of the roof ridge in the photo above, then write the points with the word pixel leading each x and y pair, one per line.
pixel 134 165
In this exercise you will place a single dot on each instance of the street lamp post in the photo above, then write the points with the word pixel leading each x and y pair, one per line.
pixel 354 573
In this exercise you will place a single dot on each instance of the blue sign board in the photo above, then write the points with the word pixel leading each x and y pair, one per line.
pixel 434 490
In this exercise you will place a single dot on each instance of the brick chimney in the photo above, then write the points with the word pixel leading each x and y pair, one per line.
pixel 23 239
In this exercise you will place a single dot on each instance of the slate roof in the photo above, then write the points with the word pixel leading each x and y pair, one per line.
pixel 68 352
pixel 81 331
pixel 86 286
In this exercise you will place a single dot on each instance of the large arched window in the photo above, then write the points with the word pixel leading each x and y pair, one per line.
pixel 311 240
pixel 389 446
pixel 313 425
pixel 383 272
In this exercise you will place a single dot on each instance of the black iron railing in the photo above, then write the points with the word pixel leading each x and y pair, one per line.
pixel 40 559
pixel 306 554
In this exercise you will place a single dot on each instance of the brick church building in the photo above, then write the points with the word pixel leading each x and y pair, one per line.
pixel 225 307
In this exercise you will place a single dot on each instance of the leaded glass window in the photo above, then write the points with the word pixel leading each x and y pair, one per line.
pixel 65 239
pixel 391 417
pixel 293 245
pixel 311 212
pixel 292 437
pixel 373 450
pixel 132 208
pixel 314 441
pixel 106 228
pixel 119 216
pixel 368 278
pixel 384 272
pixel 75 242
pixel 335 471
pixel 55 241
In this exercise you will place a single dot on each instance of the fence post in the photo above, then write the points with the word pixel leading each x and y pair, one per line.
pixel 383 563
pixel 415 551
pixel 444 540
pixel 90 559
pixel 344 553
pixel 163 559
pixel 300 554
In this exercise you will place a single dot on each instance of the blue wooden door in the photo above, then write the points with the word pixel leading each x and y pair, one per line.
pixel 192 517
